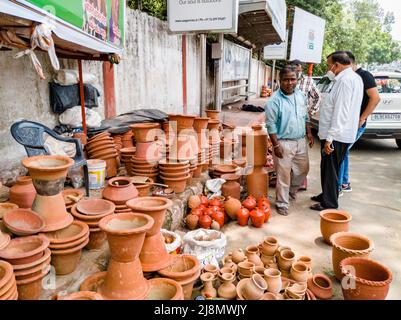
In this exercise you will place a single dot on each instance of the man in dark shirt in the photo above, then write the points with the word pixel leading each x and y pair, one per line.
pixel 371 99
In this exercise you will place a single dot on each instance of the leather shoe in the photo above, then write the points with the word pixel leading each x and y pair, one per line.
pixel 318 207
pixel 317 198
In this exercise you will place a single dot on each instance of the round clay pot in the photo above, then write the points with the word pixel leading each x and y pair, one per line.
pixel 23 193
pixel 24 250
pixel 346 245
pixel 96 239
pixel 144 132
pixel 232 187
pixel 299 272
pixel 252 254
pixel 238 256
pixel 5 207
pixel 144 189
pixel 285 259
pixel 177 184
pixel 273 280
pixel 269 246
pixel 227 290
pixel 257 217
pixel 119 190
pixel 371 280
pixel 256 146
pixel 165 289
pixel 245 269
pixel 81 295
pixel 254 289
pixel 321 286
pixel 31 272
pixel 23 222
pixel 243 217
pixel 333 221
pixel 205 221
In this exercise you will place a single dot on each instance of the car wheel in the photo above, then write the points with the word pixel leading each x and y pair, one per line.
pixel 398 141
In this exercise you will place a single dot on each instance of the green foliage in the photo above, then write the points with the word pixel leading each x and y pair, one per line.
pixel 156 8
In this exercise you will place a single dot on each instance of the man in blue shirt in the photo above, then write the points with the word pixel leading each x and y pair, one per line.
pixel 287 122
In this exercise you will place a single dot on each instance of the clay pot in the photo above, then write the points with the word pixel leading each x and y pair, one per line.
pixel 144 132
pixel 177 184
pixel 96 239
pixel 243 217
pixel 258 182
pixel 267 259
pixel 346 245
pixel 23 222
pixel 238 256
pixel 81 295
pixel 321 286
pixel 48 175
pixel 205 221
pixel 249 203
pixel 299 272
pixel 256 146
pixel 269 246
pixel 333 221
pixel 24 250
pixel 31 288
pixel 245 269
pixel 165 289
pixel 285 259
pixel 252 254
pixel 371 280
pixel 208 290
pixel 257 218
pixel 267 211
pixel 144 189
pixel 149 151
pixel 227 290
pixel 23 193
pixel 212 114
pixel 5 207
pixel 273 280
pixel 76 231
pixel 119 190
pixel 6 273
pixel 192 221
pixel 254 289
pixel 231 188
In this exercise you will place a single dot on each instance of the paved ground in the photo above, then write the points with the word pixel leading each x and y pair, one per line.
pixel 375 205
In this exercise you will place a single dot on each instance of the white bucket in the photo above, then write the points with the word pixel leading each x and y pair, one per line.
pixel 97 173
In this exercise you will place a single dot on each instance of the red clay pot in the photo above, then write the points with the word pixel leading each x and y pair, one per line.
pixel 321 286
pixel 333 221
pixel 205 221
pixel 243 217
pixel 232 187
pixel 267 211
pixel 119 190
pixel 257 146
pixel 249 203
pixel 257 218
pixel 219 217
pixel 23 193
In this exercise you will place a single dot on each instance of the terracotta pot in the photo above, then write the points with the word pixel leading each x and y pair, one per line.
pixel 88 219
pixel 249 203
pixel 81 295
pixel 238 256
pixel 192 221
pixel 76 231
pixel 254 289
pixel 200 124
pixel 24 250
pixel 177 184
pixel 23 222
pixel 205 221
pixel 23 193
pixel 46 255
pixel 333 221
pixel 258 182
pixel 8 290
pixel 257 218
pixel 183 122
pixel 245 269
pixel 208 290
pixel 149 151
pixel 211 268
pixel 243 217
pixel 269 246
pixel 285 259
pixel 213 114
pixel 31 288
pixel 171 169
pixel 227 290
pixel 119 190
pixel 165 289
pixel 95 207
pixel 273 280
pixel 5 207
pixel 267 259
pixel 321 286
pixel 306 260
pixel 346 245
pixel 256 146
pixel 252 254
pixel 181 268
pixel 371 280
pixel 178 175
pixel 27 273
pixel 299 272
pixel 144 132
pixel 96 239
pixel 48 175
pixel 231 188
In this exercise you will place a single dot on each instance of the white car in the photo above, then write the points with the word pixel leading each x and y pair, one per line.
pixel 385 122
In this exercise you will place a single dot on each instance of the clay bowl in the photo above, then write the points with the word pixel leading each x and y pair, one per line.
pixel 146 167
pixel 33 264
pixel 165 289
pixel 5 207
pixel 6 273
pixel 86 218
pixel 71 244
pixel 81 295
pixel 75 193
pixel 96 207
pixel 141 162
pixel 73 232
pixel 8 289
pixel 34 271
pixel 101 148
pixel 145 171
pixel 176 175
pixel 182 267
pixel 25 249
pixel 23 222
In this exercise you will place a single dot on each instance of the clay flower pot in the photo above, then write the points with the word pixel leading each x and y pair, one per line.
pixel 144 189
pixel 81 295
pixel 119 190
pixel 346 245
pixel 165 289
pixel 273 280
pixel 48 175
pixel 212 114
pixel 24 250
pixel 367 279
pixel 23 193
pixel 144 132
pixel 255 288
pixel 333 221
pixel 23 222
pixel 321 286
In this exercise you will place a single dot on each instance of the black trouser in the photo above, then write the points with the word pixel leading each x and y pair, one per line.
pixel 329 171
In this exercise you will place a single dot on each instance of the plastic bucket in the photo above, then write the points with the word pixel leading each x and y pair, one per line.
pixel 97 173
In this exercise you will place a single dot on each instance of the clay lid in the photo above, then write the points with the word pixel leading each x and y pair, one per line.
pixel 24 247
pixel 145 204
pixel 47 163
pixel 126 223
pixel 95 207
pixel 23 222
pixel 6 272
pixel 165 289
pixel 5 207
pixel 226 168
pixel 182 267
pixel 73 232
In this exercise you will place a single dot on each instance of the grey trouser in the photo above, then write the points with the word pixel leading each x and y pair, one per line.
pixel 291 170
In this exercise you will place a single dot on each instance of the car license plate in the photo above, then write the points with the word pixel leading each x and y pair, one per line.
pixel 386 117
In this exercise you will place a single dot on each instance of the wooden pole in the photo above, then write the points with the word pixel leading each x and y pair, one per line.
pixel 310 69
pixel 82 95
pixel 109 90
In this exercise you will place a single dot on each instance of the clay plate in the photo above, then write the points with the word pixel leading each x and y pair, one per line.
pixel 95 207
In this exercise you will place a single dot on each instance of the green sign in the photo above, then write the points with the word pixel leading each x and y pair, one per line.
pixel 103 19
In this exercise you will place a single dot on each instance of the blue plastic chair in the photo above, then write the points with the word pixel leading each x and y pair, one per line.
pixel 30 135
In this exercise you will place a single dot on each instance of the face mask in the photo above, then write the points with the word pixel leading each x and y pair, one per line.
pixel 331 75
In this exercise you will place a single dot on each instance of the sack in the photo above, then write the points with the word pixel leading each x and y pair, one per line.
pixel 207 245
pixel 67 77
pixel 175 246
pixel 73 118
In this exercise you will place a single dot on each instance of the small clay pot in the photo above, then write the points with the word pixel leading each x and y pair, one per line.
pixel 232 206
pixel 285 259
pixel 255 288
pixel 23 193
pixel 208 290
pixel 321 286
pixel 76 231
pixel 238 256
pixel 119 190
pixel 299 272
pixel 269 246
pixel 181 268
pixel 243 216
pixel 245 269
pixel 227 290
pixel 253 255
pixel 333 221
pixel 273 280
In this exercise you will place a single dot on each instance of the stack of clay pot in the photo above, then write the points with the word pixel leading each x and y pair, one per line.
pixel 185 269
pixel 223 169
pixel 103 147
pixel 119 190
pixel 127 155
pixel 8 285
pixel 175 174
pixel 127 139
pixel 200 127
pixel 257 178
pixel 23 193
pixel 124 278
pixel 66 246
pixel 214 141
pixel 118 142
pixel 71 197
pixel 90 212
pixel 30 259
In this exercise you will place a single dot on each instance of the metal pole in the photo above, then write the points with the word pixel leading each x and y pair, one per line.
pixel 273 74
pixel 218 71
pixel 82 96
pixel 203 97
pixel 184 74
pixel 249 75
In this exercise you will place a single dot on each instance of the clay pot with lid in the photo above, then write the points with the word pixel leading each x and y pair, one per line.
pixel 144 132
pixel 257 146
pixel 254 288
pixel 23 193
pixel 346 245
pixel 232 187
pixel 321 286
pixel 119 190
pixel 333 221
pixel 372 280
pixel 48 175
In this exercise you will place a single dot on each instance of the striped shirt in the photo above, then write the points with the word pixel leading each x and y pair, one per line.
pixel 312 93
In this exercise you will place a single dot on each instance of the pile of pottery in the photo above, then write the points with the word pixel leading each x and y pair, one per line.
pixel 206 214
pixel 103 147
pixel 127 155
pixel 175 174
pixel 119 190
pixel 71 197
pixel 66 246
pixel 23 193
pixel 8 285
pixel 257 212
pixel 90 212
pixel 30 260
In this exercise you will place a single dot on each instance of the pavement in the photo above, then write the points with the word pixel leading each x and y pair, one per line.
pixel 375 205
pixel 232 114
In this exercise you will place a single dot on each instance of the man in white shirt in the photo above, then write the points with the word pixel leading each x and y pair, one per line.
pixel 338 125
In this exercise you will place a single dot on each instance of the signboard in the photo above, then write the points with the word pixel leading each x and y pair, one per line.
pixel 276 51
pixel 278 9
pixel 102 19
pixel 236 62
pixel 307 37
pixel 203 16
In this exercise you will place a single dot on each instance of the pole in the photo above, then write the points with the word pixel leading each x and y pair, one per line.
pixel 273 74
pixel 184 73
pixel 310 70
pixel 109 90
pixel 203 97
pixel 218 71
pixel 82 96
